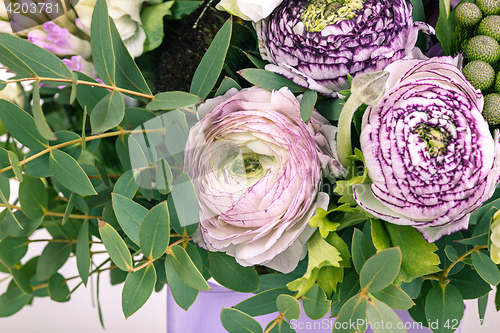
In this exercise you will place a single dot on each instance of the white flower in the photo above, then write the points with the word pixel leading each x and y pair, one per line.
pixel 125 14
pixel 250 10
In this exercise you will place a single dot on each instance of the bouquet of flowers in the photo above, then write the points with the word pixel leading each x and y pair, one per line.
pixel 339 154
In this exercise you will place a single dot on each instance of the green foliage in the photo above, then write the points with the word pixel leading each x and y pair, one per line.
pixel 235 321
pixel 263 303
pixel 53 257
pixel 269 80
pixel 380 270
pixel 138 288
pixel 186 269
pixel 13 249
pixel 152 18
pixel 315 303
pixel 154 235
pixel 116 247
pixel 351 311
pixel 183 294
pixel 83 252
pixel 225 270
pixel 102 43
pixel 108 113
pixel 288 306
pixel 378 312
pixel 58 288
pixel 172 100
pixel 130 216
pixel 444 306
pixel 208 71
pixel 307 103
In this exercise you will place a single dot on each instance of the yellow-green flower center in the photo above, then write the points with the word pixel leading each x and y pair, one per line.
pixel 435 138
pixel 320 13
pixel 248 166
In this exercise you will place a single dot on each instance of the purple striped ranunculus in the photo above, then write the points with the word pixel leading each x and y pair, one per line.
pixel 429 152
pixel 257 167
pixel 316 43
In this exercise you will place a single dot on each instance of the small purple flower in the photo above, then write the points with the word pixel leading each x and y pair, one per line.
pixel 60 41
pixel 77 63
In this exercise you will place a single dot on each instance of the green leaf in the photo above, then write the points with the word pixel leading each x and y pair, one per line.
pixel 21 125
pixel 154 235
pixel 103 53
pixel 13 249
pixel 108 113
pixel 225 270
pixel 321 254
pixel 69 207
pixel 486 268
pixel 33 197
pixel 466 278
pixel 116 247
pixel 307 104
pixel 88 96
pixel 21 280
pixel 334 239
pixel 70 173
pixel 58 288
pixel 451 253
pixel 10 226
pixel 152 23
pixel 273 281
pixel 235 321
pixel 102 173
pixel 5 162
pixel 185 204
pixel 443 306
pixel 186 269
pixel 419 16
pixel 482 303
pixel 380 270
pixel 206 75
pixel 181 8
pixel 53 257
pixel 12 301
pixel 353 309
pixel 130 215
pixel 413 288
pixel 378 312
pixel 16 167
pixel 303 284
pixel 452 240
pixel 127 74
pixel 263 303
pixel 256 61
pixel 322 222
pixel 315 303
pixel 164 176
pixel 444 27
pixel 126 185
pixel 74 85
pixel 171 100
pixel 39 117
pixel 269 80
pixel 288 306
pixel 418 257
pixel 281 327
pixel 137 289
pixel 226 84
pixel 27 59
pixel 183 294
pixel 361 249
pixel 83 252
pixel 394 297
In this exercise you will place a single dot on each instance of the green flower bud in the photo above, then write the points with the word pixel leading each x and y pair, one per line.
pixel 482 48
pixel 489 7
pixel 497 83
pixel 480 74
pixel 491 109
pixel 490 26
pixel 468 14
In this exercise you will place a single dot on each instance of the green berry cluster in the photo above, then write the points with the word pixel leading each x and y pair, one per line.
pixel 480 22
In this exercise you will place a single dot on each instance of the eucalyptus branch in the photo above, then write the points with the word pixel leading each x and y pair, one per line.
pixel 184 239
pixel 5 278
pixel 138 268
pixel 41 286
pixel 462 257
pixel 431 277
pixel 49 213
pixel 276 321
pixel 79 141
pixel 86 83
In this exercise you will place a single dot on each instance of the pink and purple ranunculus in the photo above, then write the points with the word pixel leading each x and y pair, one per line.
pixel 429 152
pixel 257 169
pixel 316 43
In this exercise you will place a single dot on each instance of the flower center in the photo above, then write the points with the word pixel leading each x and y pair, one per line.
pixel 436 139
pixel 320 13
pixel 248 166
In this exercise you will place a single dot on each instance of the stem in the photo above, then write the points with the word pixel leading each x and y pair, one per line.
pixel 86 83
pixel 462 257
pixel 276 321
pixel 344 147
pixel 5 278
pixel 138 268
pixel 79 141
pixel 431 277
pixel 48 213
pixel 45 285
